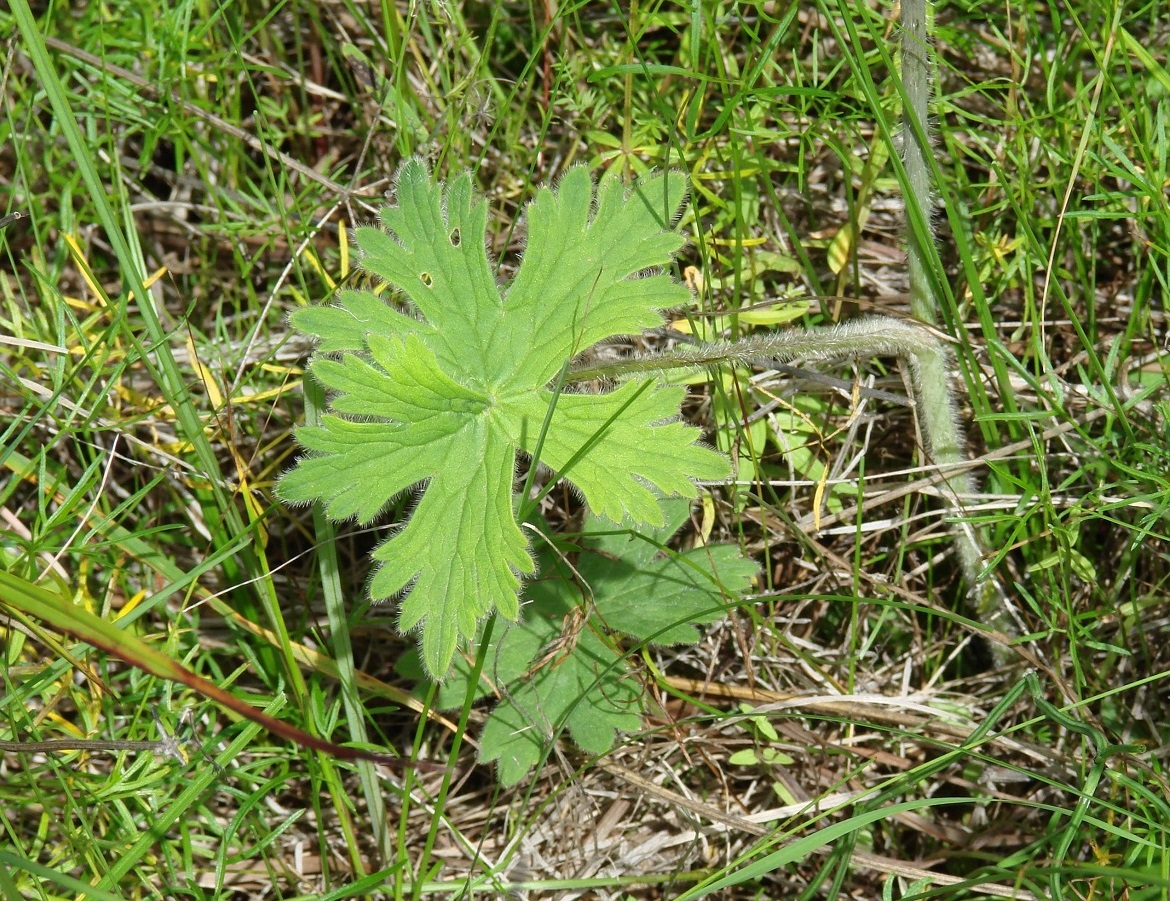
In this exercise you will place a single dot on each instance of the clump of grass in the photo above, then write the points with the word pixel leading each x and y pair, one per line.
pixel 142 435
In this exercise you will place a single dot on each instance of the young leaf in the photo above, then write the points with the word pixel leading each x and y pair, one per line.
pixel 549 680
pixel 442 403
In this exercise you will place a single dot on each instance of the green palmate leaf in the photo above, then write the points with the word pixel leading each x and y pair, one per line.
pixel 446 400
pixel 589 692
pixel 561 669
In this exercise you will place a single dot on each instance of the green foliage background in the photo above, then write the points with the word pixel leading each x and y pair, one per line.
pixel 190 173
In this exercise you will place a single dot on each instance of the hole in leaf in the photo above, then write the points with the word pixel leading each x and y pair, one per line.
pixel 454 236
pixel 425 278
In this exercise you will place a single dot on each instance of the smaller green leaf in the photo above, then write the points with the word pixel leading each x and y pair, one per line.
pixel 561 668
pixel 659 603
pixel 759 723
pixel 589 692
pixel 658 600
pixel 768 756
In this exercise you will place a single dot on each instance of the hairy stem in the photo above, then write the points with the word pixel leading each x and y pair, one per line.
pixel 916 85
pixel 936 405
pixel 924 353
pixel 867 336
